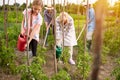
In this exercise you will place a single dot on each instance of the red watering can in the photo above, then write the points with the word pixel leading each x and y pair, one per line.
pixel 21 42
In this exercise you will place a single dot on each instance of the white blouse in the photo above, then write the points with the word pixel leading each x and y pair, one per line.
pixel 69 32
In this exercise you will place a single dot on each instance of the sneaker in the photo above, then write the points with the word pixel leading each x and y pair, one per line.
pixel 30 54
pixel 60 62
pixel 71 61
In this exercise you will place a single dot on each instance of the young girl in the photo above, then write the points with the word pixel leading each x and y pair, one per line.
pixel 64 22
pixel 34 22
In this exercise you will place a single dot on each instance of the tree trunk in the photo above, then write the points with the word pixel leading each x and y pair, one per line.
pixel 16 11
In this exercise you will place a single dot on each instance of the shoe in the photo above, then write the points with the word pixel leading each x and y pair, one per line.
pixel 30 54
pixel 60 62
pixel 71 61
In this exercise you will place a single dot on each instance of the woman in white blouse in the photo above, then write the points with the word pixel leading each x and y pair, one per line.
pixel 65 24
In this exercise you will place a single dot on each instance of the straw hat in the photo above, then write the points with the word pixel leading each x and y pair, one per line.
pixel 49 7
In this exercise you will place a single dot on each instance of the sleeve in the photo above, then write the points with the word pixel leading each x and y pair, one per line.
pixel 71 25
pixel 28 11
pixel 58 31
pixel 24 12
pixel 45 16
pixel 39 20
pixel 58 35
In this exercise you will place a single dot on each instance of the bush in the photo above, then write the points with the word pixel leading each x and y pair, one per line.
pixel 116 71
pixel 112 40
pixel 61 75
pixel 32 72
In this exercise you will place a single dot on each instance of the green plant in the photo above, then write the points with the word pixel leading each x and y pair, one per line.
pixel 65 55
pixel 83 61
pixel 32 72
pixel 7 58
pixel 105 51
pixel 50 38
pixel 7 54
pixel 116 71
pixel 61 75
pixel 83 64
pixel 111 40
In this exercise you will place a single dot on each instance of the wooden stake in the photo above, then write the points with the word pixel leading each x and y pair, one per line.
pixel 54 17
pixel 5 22
pixel 27 32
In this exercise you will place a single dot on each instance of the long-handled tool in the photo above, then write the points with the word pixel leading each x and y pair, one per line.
pixel 46 34
pixel 81 32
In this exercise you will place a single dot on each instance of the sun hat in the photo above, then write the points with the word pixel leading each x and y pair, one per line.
pixel 49 7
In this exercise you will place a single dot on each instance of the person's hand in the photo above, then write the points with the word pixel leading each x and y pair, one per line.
pixel 25 46
pixel 22 33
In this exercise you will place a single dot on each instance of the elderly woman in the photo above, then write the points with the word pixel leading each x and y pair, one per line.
pixel 65 24
pixel 49 12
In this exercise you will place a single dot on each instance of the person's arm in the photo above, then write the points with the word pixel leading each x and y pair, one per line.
pixel 33 32
pixel 58 34
pixel 22 27
pixel 46 19
pixel 36 27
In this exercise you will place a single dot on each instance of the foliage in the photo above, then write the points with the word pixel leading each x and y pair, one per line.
pixel 116 71
pixel 116 9
pixel 83 61
pixel 65 55
pixel 12 16
pixel 83 64
pixel 112 40
pixel 32 72
pixel 61 75
pixel 50 38
pixel 13 32
pixel 41 54
pixel 105 51
pixel 7 58
pixel 7 55
pixel 59 7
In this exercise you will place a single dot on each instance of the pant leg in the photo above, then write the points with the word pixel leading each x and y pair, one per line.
pixel 89 42
pixel 34 47
pixel 70 52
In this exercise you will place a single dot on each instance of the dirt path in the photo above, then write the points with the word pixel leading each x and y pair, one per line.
pixel 48 68
pixel 106 69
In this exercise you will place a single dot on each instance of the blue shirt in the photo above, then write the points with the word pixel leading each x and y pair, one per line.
pixel 91 16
